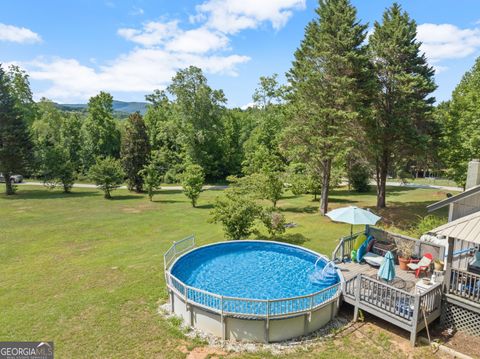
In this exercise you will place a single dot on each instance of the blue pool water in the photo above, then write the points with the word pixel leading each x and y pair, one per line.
pixel 255 270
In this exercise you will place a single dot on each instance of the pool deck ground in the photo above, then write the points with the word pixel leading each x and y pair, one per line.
pixel 404 280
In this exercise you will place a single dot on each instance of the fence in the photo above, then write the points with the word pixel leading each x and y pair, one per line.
pixel 252 308
pixel 344 247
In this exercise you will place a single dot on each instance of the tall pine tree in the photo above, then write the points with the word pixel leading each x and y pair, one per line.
pixel 328 81
pixel 402 103
pixel 135 151
pixel 15 143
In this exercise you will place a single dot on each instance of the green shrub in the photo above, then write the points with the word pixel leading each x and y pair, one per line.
pixel 359 177
pixel 192 182
pixel 426 224
pixel 236 212
pixel 107 174
pixel 274 221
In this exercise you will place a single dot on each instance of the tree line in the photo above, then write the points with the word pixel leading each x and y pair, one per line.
pixel 353 108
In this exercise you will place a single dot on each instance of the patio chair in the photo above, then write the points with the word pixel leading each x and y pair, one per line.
pixel 422 266
pixel 474 265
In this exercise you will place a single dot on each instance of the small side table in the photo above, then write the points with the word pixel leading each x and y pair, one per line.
pixel 421 286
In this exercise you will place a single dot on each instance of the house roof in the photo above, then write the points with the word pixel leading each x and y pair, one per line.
pixel 466 228
pixel 447 201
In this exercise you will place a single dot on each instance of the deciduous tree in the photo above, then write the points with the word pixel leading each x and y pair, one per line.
pixel 107 174
pixel 135 151
pixel 193 179
pixel 100 134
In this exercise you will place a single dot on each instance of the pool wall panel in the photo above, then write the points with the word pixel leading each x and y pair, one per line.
pixel 207 321
pixel 283 329
pixel 245 329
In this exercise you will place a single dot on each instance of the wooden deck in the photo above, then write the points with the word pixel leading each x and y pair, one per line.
pixel 404 280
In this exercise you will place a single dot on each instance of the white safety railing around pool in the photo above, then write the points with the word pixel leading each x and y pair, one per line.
pixel 253 308
pixel 177 249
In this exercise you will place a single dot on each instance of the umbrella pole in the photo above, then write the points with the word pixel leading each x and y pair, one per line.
pixel 351 230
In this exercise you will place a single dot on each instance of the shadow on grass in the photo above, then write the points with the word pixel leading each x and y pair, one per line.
pixel 405 215
pixel 291 238
pixel 49 194
pixel 125 197
pixel 205 206
pixel 306 209
pixel 340 200
pixel 391 191
pixel 166 201
pixel 165 190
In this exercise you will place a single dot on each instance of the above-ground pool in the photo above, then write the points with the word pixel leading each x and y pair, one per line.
pixel 256 290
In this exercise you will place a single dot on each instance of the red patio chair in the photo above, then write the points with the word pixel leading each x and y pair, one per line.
pixel 422 266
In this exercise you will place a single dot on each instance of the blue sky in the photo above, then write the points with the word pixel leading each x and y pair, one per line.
pixel 74 49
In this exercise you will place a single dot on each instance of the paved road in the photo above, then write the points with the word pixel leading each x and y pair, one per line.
pixel 88 185
pixel 179 188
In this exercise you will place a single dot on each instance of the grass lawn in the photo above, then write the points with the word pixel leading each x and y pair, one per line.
pixel 87 273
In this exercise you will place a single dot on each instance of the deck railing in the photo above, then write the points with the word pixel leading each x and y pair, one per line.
pixel 344 247
pixel 430 301
pixel 394 302
pixel 464 284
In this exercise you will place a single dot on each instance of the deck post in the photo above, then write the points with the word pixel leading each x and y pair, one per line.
pixel 358 280
pixel 448 271
pixel 342 249
pixel 416 314
pixel 222 318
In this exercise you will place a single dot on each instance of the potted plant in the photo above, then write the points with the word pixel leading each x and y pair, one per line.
pixel 438 265
pixel 405 250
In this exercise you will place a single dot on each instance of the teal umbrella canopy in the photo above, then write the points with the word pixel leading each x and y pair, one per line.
pixel 353 215
pixel 387 269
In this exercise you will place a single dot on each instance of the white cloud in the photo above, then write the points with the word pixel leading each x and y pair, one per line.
pixel 447 41
pixel 18 34
pixel 163 47
pixel 169 35
pixel 152 34
pixel 232 16
pixel 248 105
pixel 137 11
pixel 140 71
pixel 199 40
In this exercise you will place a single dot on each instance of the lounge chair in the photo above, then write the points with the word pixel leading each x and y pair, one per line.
pixel 373 259
pixel 474 265
pixel 422 266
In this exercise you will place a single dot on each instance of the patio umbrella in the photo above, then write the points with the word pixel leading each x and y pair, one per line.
pixel 353 215
pixel 387 269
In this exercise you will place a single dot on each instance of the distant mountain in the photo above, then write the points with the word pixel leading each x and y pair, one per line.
pixel 118 106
